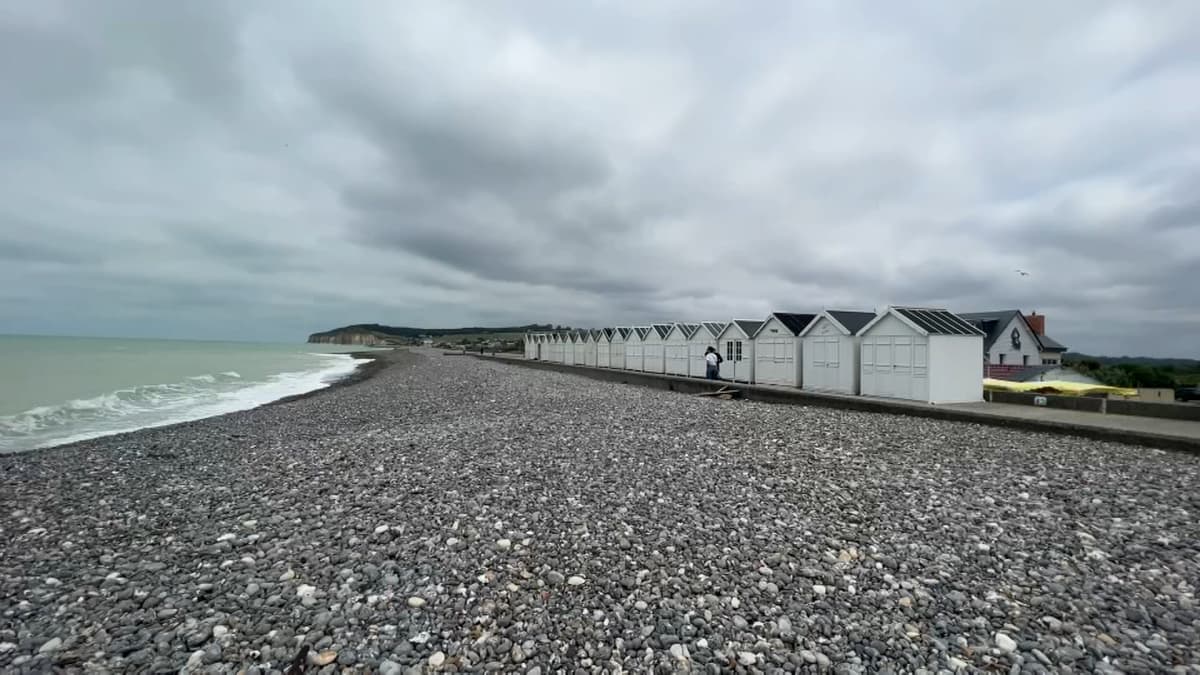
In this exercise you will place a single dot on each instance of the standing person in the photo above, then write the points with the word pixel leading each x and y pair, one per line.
pixel 712 361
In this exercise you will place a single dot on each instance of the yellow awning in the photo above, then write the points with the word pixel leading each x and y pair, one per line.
pixel 1057 387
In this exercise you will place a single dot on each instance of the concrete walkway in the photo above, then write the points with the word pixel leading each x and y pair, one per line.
pixel 1149 431
pixel 1142 425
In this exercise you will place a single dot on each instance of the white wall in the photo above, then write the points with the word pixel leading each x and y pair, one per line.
pixel 1015 357
pixel 842 378
pixel 675 353
pixel 652 353
pixel 697 346
pixel 731 368
pixel 898 366
pixel 633 352
pixel 955 369
pixel 616 352
pixel 777 355
pixel 603 357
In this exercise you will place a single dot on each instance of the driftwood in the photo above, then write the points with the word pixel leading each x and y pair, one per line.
pixel 724 393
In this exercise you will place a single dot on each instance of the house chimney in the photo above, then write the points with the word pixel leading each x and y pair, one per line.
pixel 1037 322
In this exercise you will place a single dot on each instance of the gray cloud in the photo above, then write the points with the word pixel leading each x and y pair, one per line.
pixel 221 169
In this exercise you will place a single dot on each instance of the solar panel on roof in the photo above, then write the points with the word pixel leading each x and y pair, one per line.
pixel 937 321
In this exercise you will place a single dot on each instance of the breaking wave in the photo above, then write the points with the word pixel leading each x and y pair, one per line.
pixel 152 405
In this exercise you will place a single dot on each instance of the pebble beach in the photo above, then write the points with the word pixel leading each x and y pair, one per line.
pixel 452 514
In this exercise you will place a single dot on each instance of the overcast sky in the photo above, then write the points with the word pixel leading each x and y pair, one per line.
pixel 265 170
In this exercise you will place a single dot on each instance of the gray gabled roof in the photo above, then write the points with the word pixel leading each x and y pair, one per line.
pixel 795 323
pixel 688 329
pixel 642 331
pixel 992 325
pixel 747 327
pixel 624 331
pixel 662 329
pixel 713 328
pixel 1049 344
pixel 850 320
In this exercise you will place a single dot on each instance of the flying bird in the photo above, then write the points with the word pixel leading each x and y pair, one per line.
pixel 1022 272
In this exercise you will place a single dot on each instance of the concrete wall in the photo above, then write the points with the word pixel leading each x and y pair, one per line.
pixel 1160 395
pixel 800 397
pixel 1097 404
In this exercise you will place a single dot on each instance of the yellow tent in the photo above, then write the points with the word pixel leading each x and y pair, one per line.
pixel 1056 387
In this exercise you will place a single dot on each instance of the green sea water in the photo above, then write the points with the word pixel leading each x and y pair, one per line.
pixel 60 389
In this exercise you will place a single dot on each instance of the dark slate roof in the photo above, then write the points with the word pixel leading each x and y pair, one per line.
pixel 624 331
pixel 608 332
pixel 1049 344
pixel 748 327
pixel 689 329
pixel 851 321
pixel 991 324
pixel 597 333
pixel 938 321
pixel 643 331
pixel 794 322
pixel 714 328
pixel 662 329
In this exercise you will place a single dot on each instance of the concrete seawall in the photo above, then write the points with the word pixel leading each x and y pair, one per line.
pixel 1179 436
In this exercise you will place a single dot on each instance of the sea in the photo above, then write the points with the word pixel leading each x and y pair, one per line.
pixel 56 390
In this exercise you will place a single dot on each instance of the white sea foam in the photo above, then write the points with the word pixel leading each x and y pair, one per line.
pixel 146 406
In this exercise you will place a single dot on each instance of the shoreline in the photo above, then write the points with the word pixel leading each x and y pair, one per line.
pixel 376 362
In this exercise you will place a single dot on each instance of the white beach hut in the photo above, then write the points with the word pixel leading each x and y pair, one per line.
pixel 707 334
pixel 554 345
pixel 831 351
pixel 603 347
pixel 737 347
pixel 675 348
pixel 616 348
pixel 568 355
pixel 590 348
pixel 921 354
pixel 581 347
pixel 634 347
pixel 778 349
pixel 543 347
pixel 654 348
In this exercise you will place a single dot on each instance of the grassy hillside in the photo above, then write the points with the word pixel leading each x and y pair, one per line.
pixel 378 334
pixel 1136 371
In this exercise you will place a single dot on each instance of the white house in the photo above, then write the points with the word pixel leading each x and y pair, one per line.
pixel 653 348
pixel 675 348
pixel 737 346
pixel 554 343
pixel 1013 340
pixel 603 345
pixel 707 334
pixel 778 349
pixel 831 350
pixel 616 347
pixel 634 347
pixel 921 354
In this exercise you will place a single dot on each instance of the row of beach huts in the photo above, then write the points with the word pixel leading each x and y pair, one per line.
pixel 913 353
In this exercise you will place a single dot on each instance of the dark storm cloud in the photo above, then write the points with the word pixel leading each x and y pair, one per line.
pixel 278 168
